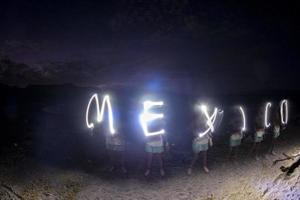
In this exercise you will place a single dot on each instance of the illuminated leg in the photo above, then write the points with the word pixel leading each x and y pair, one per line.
pixel 111 160
pixel 274 140
pixel 233 152
pixel 230 152
pixel 160 160
pixel 236 149
pixel 122 159
pixel 161 164
pixel 149 163
pixel 194 160
pixel 252 148
pixel 204 154
pixel 257 149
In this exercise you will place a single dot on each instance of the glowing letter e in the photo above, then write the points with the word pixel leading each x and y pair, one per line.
pixel 146 117
pixel 100 113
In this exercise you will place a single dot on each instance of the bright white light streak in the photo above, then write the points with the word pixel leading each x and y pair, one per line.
pixel 284 111
pixel 147 117
pixel 100 113
pixel 244 118
pixel 94 97
pixel 267 108
pixel 210 120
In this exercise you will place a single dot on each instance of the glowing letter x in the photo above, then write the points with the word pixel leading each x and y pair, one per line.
pixel 210 120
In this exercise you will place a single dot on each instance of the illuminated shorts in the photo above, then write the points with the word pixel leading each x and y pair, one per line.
pixel 235 140
pixel 154 149
pixel 276 134
pixel 198 147
pixel 234 143
pixel 258 138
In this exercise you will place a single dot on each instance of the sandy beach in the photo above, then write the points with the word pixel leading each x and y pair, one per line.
pixel 243 178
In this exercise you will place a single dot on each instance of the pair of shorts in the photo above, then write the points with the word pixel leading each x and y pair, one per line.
pixel 154 149
pixel 276 135
pixel 198 147
pixel 114 147
pixel 234 143
pixel 258 139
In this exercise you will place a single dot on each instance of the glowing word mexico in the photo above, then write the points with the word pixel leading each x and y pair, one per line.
pixel 100 113
pixel 284 113
pixel 210 120
pixel 147 117
pixel 267 108
pixel 244 119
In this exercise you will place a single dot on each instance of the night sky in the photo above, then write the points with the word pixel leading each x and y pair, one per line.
pixel 181 44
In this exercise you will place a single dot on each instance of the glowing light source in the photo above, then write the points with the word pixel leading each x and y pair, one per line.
pixel 267 123
pixel 147 117
pixel 100 113
pixel 244 119
pixel 210 120
pixel 284 113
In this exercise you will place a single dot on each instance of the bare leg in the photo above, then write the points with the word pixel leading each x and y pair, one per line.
pixel 161 164
pixel 235 151
pixel 149 163
pixel 272 146
pixel 122 159
pixel 149 160
pixel 230 152
pixel 160 160
pixel 194 160
pixel 252 150
pixel 111 161
pixel 204 154
pixel 257 149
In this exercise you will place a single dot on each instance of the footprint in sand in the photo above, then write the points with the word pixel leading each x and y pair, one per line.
pixel 6 193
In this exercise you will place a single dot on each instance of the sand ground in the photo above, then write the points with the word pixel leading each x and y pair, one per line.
pixel 244 178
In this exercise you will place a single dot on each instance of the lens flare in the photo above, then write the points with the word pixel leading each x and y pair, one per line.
pixel 267 109
pixel 147 117
pixel 244 118
pixel 100 113
pixel 284 111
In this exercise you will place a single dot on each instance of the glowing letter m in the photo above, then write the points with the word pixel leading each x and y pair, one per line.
pixel 100 113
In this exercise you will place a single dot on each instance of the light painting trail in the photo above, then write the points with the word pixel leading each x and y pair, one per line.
pixel 210 120
pixel 284 112
pixel 147 116
pixel 94 97
pixel 267 108
pixel 244 119
pixel 100 113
